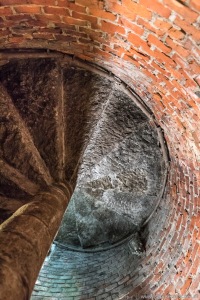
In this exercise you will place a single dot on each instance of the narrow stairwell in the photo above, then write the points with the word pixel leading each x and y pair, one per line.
pixel 63 123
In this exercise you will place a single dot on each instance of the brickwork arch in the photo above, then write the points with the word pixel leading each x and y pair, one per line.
pixel 153 47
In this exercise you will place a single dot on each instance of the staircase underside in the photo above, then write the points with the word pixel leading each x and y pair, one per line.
pixel 63 123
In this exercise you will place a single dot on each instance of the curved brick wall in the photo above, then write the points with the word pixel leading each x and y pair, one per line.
pixel 153 47
pixel 71 275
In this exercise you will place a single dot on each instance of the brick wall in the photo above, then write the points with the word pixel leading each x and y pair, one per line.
pixel 153 47
pixel 71 275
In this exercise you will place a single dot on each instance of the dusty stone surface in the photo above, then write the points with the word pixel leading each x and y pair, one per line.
pixel 85 95
pixel 120 170
pixel 34 86
pixel 66 122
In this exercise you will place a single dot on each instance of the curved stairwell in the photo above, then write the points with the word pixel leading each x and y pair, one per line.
pixel 63 123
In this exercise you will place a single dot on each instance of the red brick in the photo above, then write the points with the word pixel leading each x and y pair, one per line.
pixel 16 40
pixel 19 18
pixel 163 59
pixel 188 44
pixel 188 28
pixel 197 79
pixel 84 41
pixel 170 290
pixel 113 6
pixel 5 11
pixel 131 26
pixel 146 24
pixel 175 34
pixel 131 59
pixel 43 35
pixel 102 14
pixel 138 54
pixel 157 7
pixel 102 53
pixel 182 10
pixel 150 75
pixel 84 17
pixel 128 9
pixel 112 28
pixel 65 38
pixel 74 33
pixel 4 33
pixel 136 41
pixel 195 264
pixel 48 18
pixel 162 25
pixel 195 4
pixel 186 286
pixel 10 2
pixel 94 35
pixel 153 40
pixel 53 10
pixel 29 9
pixel 86 57
pixel 137 9
pixel 74 21
pixel 70 5
pixel 177 48
pixel 41 2
pixel 87 2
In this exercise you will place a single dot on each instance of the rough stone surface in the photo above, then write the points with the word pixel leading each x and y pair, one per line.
pixel 84 96
pixel 35 87
pixel 120 169
pixel 65 117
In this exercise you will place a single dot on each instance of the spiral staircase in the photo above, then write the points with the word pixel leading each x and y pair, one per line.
pixel 62 123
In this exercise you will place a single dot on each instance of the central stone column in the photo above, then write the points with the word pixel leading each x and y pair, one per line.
pixel 25 239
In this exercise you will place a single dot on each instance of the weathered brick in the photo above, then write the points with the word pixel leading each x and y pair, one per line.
pixel 87 2
pixel 5 11
pixel 48 18
pixel 176 34
pixel 157 7
pixel 195 4
pixel 53 10
pixel 153 40
pixel 10 2
pixel 40 2
pixel 131 26
pixel 73 21
pixel 111 28
pixel 188 28
pixel 135 40
pixel 70 5
pixel 162 25
pixel 28 9
pixel 19 18
pixel 44 35
pixel 185 287
pixel 92 20
pixel 177 48
pixel 182 10
pixel 102 14
pixel 137 9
